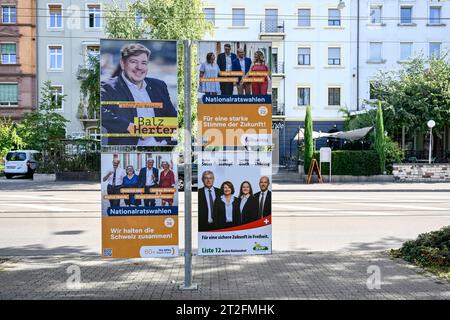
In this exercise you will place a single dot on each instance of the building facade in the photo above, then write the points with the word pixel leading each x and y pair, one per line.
pixel 324 53
pixel 388 33
pixel 68 32
pixel 311 59
pixel 18 58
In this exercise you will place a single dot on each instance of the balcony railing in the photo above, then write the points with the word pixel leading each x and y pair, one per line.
pixel 85 114
pixel 277 109
pixel 276 27
pixel 278 68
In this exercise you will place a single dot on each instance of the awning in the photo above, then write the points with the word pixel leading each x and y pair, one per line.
pixel 351 135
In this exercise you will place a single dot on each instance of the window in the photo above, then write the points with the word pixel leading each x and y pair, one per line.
pixel 91 51
pixel 376 51
pixel 435 15
pixel 274 60
pixel 375 14
pixel 334 96
pixel 94 16
pixel 238 17
pixel 210 15
pixel 55 16
pixel 9 94
pixel 303 96
pixel 304 56
pixel 435 49
pixel 334 17
pixel 138 19
pixel 8 52
pixel 271 20
pixel 93 133
pixel 9 14
pixel 334 56
pixel 304 17
pixel 406 15
pixel 57 97
pixel 55 55
pixel 275 97
pixel 405 51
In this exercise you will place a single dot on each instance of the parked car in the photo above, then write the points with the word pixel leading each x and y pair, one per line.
pixel 181 176
pixel 21 162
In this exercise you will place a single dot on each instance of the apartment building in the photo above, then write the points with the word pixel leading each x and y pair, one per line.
pixel 388 33
pixel 18 58
pixel 68 32
pixel 310 59
pixel 324 53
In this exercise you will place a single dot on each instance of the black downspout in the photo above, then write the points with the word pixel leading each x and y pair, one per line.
pixel 357 57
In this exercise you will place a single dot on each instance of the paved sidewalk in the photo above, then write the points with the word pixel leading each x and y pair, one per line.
pixel 294 275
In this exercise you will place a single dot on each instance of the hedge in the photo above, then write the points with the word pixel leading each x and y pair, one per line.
pixel 351 163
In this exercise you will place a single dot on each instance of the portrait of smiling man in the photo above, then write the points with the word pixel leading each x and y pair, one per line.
pixel 130 83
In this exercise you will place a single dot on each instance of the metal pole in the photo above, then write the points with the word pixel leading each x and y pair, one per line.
pixel 429 152
pixel 357 53
pixel 187 285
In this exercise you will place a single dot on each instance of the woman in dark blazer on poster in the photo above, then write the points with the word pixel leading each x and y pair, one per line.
pixel 247 204
pixel 226 208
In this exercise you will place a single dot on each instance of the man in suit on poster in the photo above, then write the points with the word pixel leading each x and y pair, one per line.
pixel 242 63
pixel 264 198
pixel 114 177
pixel 148 178
pixel 225 63
pixel 206 197
pixel 132 84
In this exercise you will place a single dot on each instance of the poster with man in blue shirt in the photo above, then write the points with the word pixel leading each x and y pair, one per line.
pixel 138 92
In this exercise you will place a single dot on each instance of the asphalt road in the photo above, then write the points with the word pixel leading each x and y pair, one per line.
pixel 40 219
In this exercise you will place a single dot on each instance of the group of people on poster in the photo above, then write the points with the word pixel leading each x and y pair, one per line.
pixel 148 177
pixel 234 62
pixel 227 207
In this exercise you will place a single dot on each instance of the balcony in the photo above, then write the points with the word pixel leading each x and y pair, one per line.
pixel 86 114
pixel 278 69
pixel 271 30
pixel 277 109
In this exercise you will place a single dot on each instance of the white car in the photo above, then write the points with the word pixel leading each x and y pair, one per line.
pixel 21 162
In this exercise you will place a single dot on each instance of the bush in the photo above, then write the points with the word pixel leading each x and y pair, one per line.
pixel 352 163
pixel 393 152
pixel 429 250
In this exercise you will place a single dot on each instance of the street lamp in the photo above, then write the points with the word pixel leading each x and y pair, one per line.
pixel 430 125
pixel 341 5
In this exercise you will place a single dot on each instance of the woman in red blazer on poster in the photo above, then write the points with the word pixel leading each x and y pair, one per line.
pixel 259 65
pixel 166 180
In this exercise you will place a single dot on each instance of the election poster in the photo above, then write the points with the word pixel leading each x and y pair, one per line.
pixel 139 205
pixel 235 121
pixel 138 92
pixel 234 203
pixel 235 105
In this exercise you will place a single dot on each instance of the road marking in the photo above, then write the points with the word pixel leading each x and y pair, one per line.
pixel 25 196
pixel 42 207
pixel 393 205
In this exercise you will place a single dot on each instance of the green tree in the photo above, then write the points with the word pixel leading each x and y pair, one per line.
pixel 415 93
pixel 163 19
pixel 44 128
pixel 89 76
pixel 9 138
pixel 380 139
pixel 309 143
